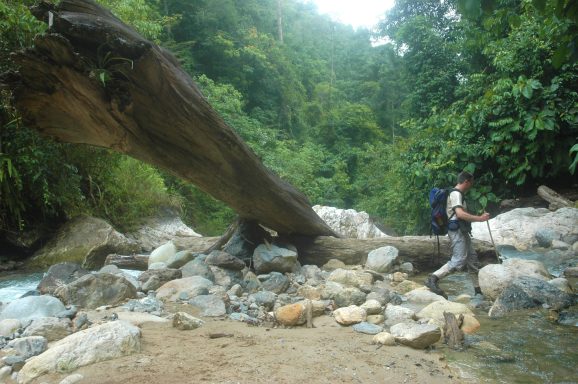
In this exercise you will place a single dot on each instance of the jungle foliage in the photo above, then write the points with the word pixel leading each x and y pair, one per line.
pixel 487 86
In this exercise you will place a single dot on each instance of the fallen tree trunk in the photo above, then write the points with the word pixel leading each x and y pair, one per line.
pixel 421 251
pixel 555 199
pixel 93 80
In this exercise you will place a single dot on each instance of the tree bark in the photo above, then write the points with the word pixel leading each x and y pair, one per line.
pixel 93 80
pixel 555 199
pixel 453 334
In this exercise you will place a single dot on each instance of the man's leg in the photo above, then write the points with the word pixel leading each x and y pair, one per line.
pixel 473 266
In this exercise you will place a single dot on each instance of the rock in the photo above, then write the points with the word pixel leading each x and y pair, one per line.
pixel 418 336
pixel 241 244
pixel 149 304
pixel 349 315
pixel 94 290
pixel 209 305
pixel 158 265
pixel 395 314
pixel 226 278
pixel 351 278
pixel 518 226
pixel 349 296
pixel 384 338
pixel 9 326
pixel 102 342
pixel 375 319
pixel 470 324
pixel 367 328
pixel 406 267
pixel 382 259
pixel 311 273
pixel 291 315
pixel 197 267
pixel 32 307
pixel 139 318
pixel 380 294
pixel 399 277
pixel 562 284
pixel 348 222
pixel 277 283
pixel 422 296
pixel 406 286
pixel 372 307
pixel 545 236
pixel 5 373
pixel 494 278
pixel 251 283
pixel 308 292
pixel 190 286
pixel 162 254
pixel 274 258
pixel 181 258
pixel 72 379
pixel 235 290
pixel 435 311
pixel 185 322
pixel 153 279
pixel 559 244
pixel 58 275
pixel 529 292
pixel 163 228
pixel 265 299
pixel 333 264
pixel 571 272
pixel 28 346
pixel 83 240
pixel 51 328
pixel 224 260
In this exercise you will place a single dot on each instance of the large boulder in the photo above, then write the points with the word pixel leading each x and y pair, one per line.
pixel 273 258
pixel 348 222
pixel 529 292
pixel 152 279
pixel 418 336
pixel 494 278
pixel 94 290
pixel 51 328
pixel 351 278
pixel 161 229
pixel 99 343
pixel 58 275
pixel 518 227
pixel 184 289
pixel 382 259
pixel 83 240
pixel 32 307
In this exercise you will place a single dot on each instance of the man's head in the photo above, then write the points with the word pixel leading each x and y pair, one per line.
pixel 465 180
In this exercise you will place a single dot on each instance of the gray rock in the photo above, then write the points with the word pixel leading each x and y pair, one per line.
pixel 102 342
pixel 348 222
pixel 32 307
pixel 110 268
pixel 395 314
pixel 418 336
pixel 351 278
pixel 181 258
pixel 152 279
pixel 192 286
pixel 382 259
pixel 264 298
pixel 149 304
pixel 5 373
pixel 274 258
pixel 51 328
pixel 545 236
pixel 9 326
pixel 72 379
pixel 86 241
pixel 226 278
pixel 242 317
pixel 380 294
pixel 197 267
pixel 311 273
pixel 349 296
pixel 528 292
pixel 15 361
pixel 209 305
pixel 367 328
pixel 185 322
pixel 58 275
pixel 224 260
pixel 251 283
pixel 95 290
pixel 157 265
pixel 28 346
pixel 277 283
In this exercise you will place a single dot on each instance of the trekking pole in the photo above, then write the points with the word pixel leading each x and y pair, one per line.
pixel 494 244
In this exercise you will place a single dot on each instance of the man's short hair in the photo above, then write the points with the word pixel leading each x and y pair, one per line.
pixel 464 176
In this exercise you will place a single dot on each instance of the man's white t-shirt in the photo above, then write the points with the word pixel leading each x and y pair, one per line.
pixel 455 200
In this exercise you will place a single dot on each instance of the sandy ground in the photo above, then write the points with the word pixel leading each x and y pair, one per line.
pixel 328 353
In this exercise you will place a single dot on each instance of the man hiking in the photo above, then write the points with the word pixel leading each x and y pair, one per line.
pixel 459 228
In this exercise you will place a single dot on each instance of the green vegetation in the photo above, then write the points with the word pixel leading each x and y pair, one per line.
pixel 487 86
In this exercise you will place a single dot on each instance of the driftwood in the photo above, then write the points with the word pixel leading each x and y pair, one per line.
pixel 93 80
pixel 453 335
pixel 555 199
pixel 419 250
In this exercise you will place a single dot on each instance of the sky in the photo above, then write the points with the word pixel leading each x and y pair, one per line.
pixel 358 13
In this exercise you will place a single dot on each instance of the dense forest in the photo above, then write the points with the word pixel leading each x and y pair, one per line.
pixel 354 118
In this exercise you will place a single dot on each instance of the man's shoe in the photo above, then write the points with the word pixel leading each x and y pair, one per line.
pixel 432 284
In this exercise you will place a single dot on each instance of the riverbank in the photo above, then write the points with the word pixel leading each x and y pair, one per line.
pixel 328 353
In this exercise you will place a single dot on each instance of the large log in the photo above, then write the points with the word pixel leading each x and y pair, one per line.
pixel 554 198
pixel 419 250
pixel 91 79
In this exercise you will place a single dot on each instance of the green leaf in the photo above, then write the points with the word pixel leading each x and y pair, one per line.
pixel 483 201
pixel 540 5
pixel 515 21
pixel 560 56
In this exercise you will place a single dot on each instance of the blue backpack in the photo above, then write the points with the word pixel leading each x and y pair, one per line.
pixel 438 199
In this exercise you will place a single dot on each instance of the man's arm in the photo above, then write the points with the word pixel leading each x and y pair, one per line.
pixel 463 215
